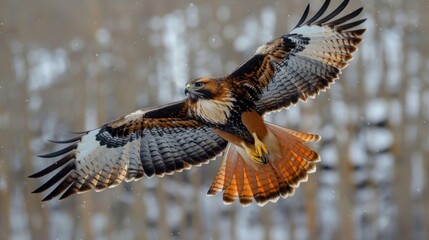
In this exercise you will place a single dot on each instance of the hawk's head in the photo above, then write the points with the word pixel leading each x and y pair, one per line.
pixel 202 88
pixel 210 99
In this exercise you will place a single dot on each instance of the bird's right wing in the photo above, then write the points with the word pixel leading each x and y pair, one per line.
pixel 158 141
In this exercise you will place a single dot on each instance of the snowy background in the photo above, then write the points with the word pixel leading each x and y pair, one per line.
pixel 76 64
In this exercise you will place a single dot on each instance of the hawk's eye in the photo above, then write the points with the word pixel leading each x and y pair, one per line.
pixel 199 84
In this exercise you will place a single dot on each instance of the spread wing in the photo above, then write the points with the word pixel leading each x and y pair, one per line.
pixel 147 142
pixel 302 63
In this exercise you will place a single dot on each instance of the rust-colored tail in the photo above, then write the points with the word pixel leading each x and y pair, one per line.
pixel 267 182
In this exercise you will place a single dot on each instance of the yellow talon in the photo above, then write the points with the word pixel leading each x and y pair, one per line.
pixel 260 147
pixel 258 153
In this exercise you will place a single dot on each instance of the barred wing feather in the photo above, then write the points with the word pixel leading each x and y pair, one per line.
pixel 300 64
pixel 147 142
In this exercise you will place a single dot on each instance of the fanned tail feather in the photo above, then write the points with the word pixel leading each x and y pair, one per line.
pixel 267 182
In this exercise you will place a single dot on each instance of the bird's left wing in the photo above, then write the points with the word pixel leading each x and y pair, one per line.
pixel 147 142
pixel 300 64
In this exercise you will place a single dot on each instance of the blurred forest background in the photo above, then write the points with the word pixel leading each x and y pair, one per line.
pixel 75 65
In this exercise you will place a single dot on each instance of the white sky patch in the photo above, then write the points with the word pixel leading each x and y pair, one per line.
pixel 103 37
pixel 426 104
pixel 340 112
pixel 412 98
pixel 45 67
pixel 376 111
pixel 417 175
pixel 175 213
pixel 253 231
pixel 174 39
pixel 223 13
pixel 329 155
pixel 249 36
pixel 152 206
pixel 192 16
pixel 90 117
pixel 411 133
pixel 19 222
pixel 293 115
pixel 327 202
pixel 393 40
pixel 76 44
pixel 357 153
pixel 379 139
pixel 413 61
pixel 18 61
pixel 395 112
pixel 215 42
pixel 383 168
pixel 60 222
pixel 35 102
pixel 229 32
pixel 99 223
pixel 371 54
pixel 3 183
pixel 155 23
pixel 268 24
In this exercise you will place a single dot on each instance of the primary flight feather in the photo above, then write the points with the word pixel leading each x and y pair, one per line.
pixel 262 161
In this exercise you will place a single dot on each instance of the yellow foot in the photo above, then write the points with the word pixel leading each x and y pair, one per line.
pixel 259 153
pixel 260 147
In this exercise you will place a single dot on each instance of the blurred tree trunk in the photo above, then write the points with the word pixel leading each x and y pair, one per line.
pixel 403 161
pixel 179 179
pixel 311 186
pixel 36 214
pixel 163 228
pixel 266 221
pixel 423 130
pixel 139 211
pixel 196 224
pixel 345 193
pixel 18 134
pixel 6 146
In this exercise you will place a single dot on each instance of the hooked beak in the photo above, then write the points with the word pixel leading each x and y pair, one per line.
pixel 187 89
pixel 193 95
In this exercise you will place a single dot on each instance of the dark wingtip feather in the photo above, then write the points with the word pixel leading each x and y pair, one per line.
pixel 75 132
pixel 60 188
pixel 72 140
pixel 347 17
pixel 46 199
pixel 350 25
pixel 319 13
pixel 59 152
pixel 70 191
pixel 52 167
pixel 57 177
pixel 304 16
pixel 334 13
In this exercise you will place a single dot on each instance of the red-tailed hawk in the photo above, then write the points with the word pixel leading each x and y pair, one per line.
pixel 262 161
